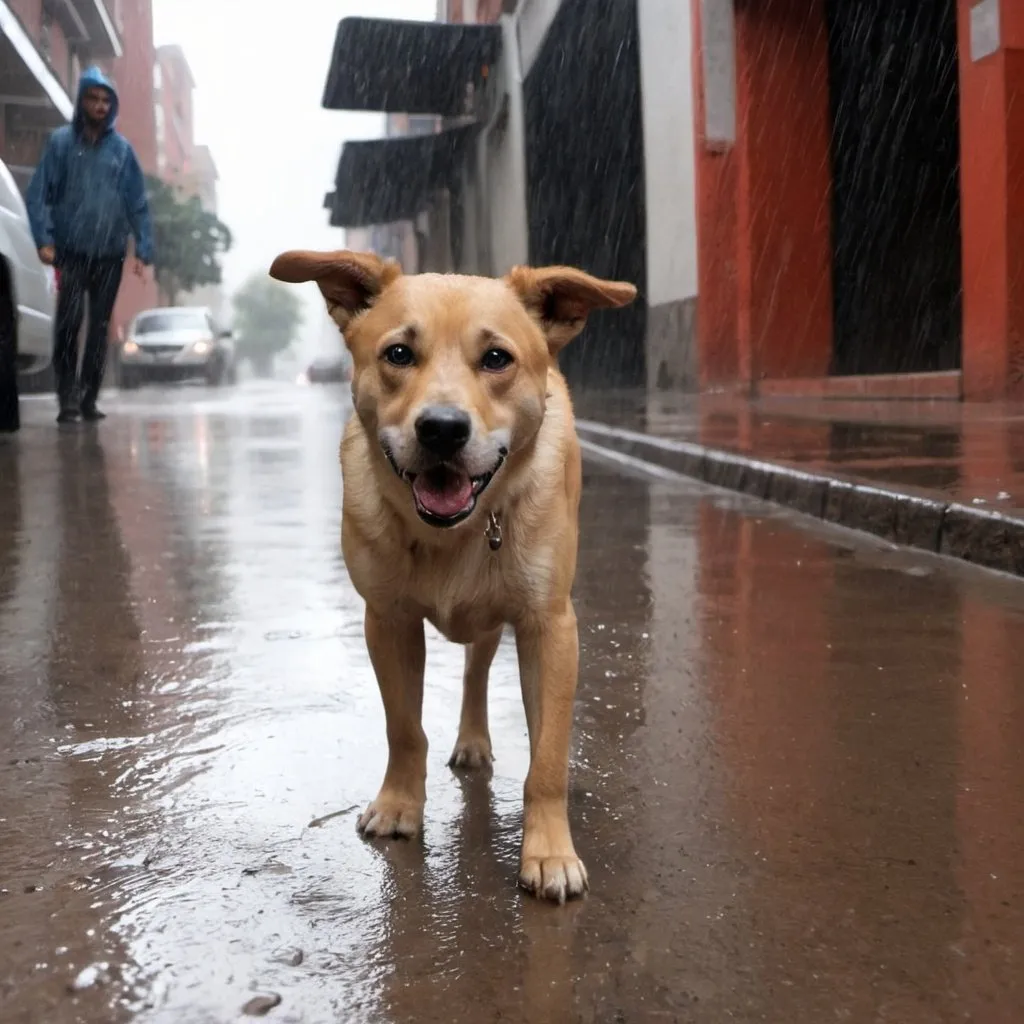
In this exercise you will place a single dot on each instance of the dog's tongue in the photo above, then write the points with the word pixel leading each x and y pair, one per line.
pixel 443 492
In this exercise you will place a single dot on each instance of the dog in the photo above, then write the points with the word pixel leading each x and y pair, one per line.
pixel 462 476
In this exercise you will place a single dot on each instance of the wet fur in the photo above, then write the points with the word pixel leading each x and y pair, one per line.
pixel 408 571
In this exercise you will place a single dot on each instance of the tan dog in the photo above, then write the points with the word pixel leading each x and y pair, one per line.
pixel 461 491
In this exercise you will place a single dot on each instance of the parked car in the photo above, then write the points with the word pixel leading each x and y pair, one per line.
pixel 177 343
pixel 328 370
pixel 27 287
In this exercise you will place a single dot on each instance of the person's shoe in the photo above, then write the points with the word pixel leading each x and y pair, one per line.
pixel 92 415
pixel 68 416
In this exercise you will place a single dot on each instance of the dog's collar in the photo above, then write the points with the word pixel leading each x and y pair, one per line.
pixel 493 531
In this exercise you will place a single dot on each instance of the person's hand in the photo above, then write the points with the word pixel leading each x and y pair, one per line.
pixel 138 267
pixel 48 255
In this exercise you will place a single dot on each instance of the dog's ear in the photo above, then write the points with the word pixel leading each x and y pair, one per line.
pixel 560 299
pixel 349 281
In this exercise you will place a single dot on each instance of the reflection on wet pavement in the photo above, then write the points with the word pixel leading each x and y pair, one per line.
pixel 797 776
pixel 954 451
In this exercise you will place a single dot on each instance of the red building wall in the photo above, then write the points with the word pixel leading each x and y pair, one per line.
pixel 133 73
pixel 764 243
pixel 763 209
pixel 992 180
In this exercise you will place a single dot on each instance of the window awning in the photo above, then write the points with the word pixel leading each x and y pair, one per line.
pixel 384 180
pixel 409 67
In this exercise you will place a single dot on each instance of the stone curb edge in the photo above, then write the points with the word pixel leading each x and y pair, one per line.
pixel 983 537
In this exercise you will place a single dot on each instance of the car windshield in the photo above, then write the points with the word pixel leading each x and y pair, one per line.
pixel 168 320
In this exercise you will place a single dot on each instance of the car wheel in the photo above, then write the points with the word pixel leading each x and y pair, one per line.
pixel 10 417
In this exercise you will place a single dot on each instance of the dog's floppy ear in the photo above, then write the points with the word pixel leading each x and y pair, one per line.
pixel 560 298
pixel 350 281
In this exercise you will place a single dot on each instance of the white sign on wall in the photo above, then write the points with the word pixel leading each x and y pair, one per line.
pixel 985 30
pixel 718 46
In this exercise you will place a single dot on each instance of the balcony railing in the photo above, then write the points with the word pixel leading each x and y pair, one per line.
pixel 89 25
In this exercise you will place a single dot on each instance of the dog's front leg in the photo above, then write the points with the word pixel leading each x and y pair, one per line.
pixel 397 652
pixel 548 651
pixel 473 747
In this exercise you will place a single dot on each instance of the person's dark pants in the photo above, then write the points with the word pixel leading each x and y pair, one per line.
pixel 99 279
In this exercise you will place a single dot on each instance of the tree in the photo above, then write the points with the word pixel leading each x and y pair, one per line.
pixel 187 239
pixel 267 319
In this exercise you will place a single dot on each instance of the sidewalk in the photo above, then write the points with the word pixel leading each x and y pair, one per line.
pixel 942 476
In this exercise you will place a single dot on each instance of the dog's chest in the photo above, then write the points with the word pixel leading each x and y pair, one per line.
pixel 464 595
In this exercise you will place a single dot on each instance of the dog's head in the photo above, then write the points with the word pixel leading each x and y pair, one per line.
pixel 450 373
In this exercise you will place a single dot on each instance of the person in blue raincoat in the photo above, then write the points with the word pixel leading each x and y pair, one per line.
pixel 86 198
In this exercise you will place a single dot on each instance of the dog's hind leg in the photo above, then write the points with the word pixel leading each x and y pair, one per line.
pixel 473 747
pixel 398 653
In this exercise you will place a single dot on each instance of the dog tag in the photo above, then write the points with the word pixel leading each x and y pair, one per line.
pixel 493 532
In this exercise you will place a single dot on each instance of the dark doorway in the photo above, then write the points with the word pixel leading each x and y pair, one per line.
pixel 585 176
pixel 895 104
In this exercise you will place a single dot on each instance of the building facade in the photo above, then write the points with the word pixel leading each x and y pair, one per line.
pixel 563 134
pixel 43 48
pixel 850 230
pixel 861 228
pixel 133 74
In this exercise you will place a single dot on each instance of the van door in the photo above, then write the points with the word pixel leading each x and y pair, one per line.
pixel 34 282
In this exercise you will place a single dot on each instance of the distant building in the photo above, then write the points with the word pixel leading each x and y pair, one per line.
pixel 173 86
pixel 180 162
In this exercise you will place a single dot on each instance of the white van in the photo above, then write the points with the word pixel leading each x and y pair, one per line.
pixel 27 286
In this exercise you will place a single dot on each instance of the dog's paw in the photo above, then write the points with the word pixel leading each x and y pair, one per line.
pixel 472 754
pixel 554 878
pixel 391 815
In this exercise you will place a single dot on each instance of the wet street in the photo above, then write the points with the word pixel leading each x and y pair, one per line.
pixel 798 774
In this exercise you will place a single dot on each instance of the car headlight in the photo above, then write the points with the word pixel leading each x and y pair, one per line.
pixel 201 348
pixel 130 348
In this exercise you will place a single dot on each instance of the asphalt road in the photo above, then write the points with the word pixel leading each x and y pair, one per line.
pixel 798 774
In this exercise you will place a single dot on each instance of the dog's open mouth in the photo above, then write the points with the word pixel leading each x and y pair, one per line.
pixel 444 495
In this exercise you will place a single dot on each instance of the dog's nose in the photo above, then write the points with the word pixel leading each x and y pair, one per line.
pixel 443 430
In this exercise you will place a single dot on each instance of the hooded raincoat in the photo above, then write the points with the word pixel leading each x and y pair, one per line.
pixel 86 198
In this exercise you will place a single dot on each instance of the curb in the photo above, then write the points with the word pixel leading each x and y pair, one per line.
pixel 985 538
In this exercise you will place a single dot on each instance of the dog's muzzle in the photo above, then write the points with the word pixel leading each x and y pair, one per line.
pixel 445 494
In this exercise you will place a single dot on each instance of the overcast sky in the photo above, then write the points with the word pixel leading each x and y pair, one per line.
pixel 260 70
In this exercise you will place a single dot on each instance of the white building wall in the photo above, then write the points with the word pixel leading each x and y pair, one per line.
pixel 503 158
pixel 666 85
pixel 667 89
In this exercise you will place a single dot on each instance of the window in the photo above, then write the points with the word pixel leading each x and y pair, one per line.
pixel 158 77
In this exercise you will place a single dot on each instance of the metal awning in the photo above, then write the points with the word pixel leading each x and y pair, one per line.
pixel 385 180
pixel 409 67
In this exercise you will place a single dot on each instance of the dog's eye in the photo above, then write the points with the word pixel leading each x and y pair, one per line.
pixel 496 359
pixel 399 355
